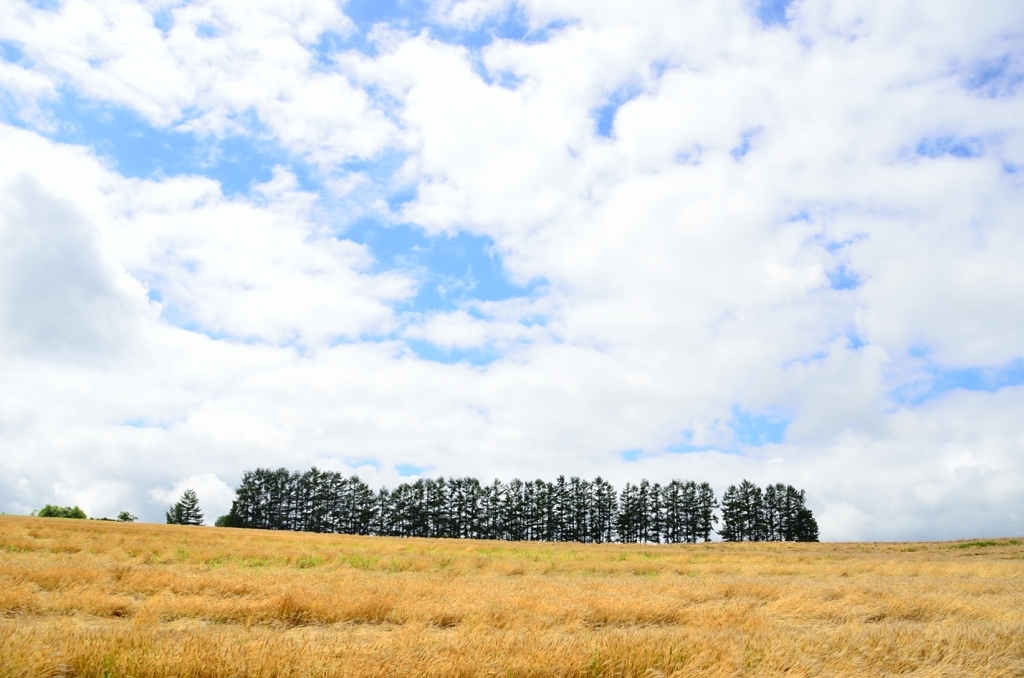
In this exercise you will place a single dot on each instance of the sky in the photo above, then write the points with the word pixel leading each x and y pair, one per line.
pixel 774 240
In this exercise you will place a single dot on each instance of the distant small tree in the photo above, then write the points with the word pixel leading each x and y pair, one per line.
pixel 186 511
pixel 50 511
pixel 126 517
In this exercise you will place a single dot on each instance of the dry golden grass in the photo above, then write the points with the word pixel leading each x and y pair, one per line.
pixel 86 598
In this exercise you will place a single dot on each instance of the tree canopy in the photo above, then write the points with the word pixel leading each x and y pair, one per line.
pixel 51 511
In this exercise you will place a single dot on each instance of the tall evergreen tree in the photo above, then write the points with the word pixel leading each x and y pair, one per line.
pixel 380 513
pixel 513 511
pixel 627 523
pixel 704 523
pixel 732 528
pixel 559 510
pixel 655 522
pixel 577 513
pixel 675 512
pixel 604 510
pixel 493 525
pixel 773 513
pixel 742 518
pixel 805 527
pixel 362 504
pixel 437 507
pixel 186 511
pixel 535 498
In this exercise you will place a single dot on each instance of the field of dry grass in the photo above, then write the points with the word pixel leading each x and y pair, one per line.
pixel 87 598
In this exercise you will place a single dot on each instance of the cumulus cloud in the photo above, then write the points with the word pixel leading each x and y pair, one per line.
pixel 810 225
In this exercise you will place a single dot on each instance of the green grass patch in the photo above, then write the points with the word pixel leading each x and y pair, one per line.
pixel 361 562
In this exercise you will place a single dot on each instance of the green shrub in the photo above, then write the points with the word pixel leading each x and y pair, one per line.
pixel 51 511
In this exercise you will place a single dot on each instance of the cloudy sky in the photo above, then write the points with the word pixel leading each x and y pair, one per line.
pixel 517 238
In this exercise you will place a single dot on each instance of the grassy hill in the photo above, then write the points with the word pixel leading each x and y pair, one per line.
pixel 90 598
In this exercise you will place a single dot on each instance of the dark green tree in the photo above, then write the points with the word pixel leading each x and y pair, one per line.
pixel 492 499
pixel 186 511
pixel 604 510
pixel 559 510
pixel 742 513
pixel 774 513
pixel 705 518
pixel 125 517
pixel 579 510
pixel 654 515
pixel 513 511
pixel 438 508
pixel 674 512
pixel 535 509
pixel 627 523
pixel 380 524
pixel 806 525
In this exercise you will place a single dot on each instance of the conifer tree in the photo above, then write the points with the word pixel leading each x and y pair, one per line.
pixel 492 525
pixel 732 529
pixel 437 507
pixel 774 513
pixel 628 521
pixel 705 516
pixel 604 510
pixel 513 511
pixel 742 513
pixel 806 525
pixel 655 522
pixel 186 511
pixel 541 510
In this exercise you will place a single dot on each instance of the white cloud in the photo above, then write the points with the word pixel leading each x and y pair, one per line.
pixel 217 63
pixel 21 88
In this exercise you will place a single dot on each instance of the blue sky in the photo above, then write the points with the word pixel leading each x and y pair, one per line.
pixel 516 238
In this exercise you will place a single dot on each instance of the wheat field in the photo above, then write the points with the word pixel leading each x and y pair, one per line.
pixel 90 598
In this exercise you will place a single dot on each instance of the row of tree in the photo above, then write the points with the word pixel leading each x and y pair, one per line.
pixel 571 509
pixel 51 511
